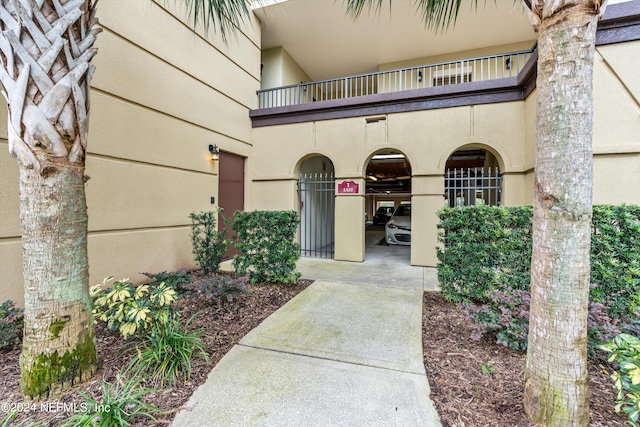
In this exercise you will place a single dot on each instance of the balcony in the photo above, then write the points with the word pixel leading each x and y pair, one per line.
pixel 474 81
pixel 469 70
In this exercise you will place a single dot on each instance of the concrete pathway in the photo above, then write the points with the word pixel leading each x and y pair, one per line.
pixel 380 269
pixel 347 351
pixel 338 354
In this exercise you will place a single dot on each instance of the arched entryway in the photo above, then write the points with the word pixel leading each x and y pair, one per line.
pixel 472 177
pixel 316 192
pixel 388 187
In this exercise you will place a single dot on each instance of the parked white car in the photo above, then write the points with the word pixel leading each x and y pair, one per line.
pixel 398 228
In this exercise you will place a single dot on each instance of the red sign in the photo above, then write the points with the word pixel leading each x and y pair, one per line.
pixel 348 187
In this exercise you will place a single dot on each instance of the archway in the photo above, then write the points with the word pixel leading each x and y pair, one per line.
pixel 316 191
pixel 388 187
pixel 471 178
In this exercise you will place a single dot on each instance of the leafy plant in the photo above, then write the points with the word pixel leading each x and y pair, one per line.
pixel 505 319
pixel 625 352
pixel 209 244
pixel 10 421
pixel 11 321
pixel 166 352
pixel 266 241
pixel 128 308
pixel 487 369
pixel 224 287
pixel 176 280
pixel 121 405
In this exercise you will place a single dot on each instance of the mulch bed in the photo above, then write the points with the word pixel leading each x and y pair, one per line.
pixel 467 395
pixel 464 393
pixel 224 326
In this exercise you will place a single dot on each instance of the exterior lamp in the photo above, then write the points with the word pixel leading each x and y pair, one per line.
pixel 507 63
pixel 215 154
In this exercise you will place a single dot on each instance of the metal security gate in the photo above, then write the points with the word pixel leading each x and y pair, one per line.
pixel 472 187
pixel 317 214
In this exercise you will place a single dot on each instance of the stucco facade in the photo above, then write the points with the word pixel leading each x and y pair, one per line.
pixel 160 97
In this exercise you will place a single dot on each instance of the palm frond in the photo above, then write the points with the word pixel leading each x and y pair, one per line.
pixel 355 7
pixel 219 16
pixel 436 14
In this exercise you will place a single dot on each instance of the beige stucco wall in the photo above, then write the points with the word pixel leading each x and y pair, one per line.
pixel 427 138
pixel 449 67
pixel 473 53
pixel 616 129
pixel 161 94
pixel 159 98
pixel 280 69
pixel 271 64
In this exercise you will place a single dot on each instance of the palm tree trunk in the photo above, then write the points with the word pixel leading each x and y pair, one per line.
pixel 59 345
pixel 556 387
pixel 45 49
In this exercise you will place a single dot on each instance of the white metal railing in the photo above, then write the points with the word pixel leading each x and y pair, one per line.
pixel 422 76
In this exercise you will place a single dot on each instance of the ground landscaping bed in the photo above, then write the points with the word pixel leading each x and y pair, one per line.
pixel 478 383
pixel 473 383
pixel 224 325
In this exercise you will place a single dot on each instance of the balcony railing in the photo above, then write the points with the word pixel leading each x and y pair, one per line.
pixel 422 76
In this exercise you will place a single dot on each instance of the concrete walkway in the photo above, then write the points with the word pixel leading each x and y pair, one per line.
pixel 343 352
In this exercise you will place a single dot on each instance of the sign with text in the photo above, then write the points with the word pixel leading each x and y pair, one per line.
pixel 348 187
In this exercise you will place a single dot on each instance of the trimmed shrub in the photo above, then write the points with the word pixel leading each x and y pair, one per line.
pixel 489 248
pixel 482 249
pixel 208 243
pixel 615 255
pixel 266 242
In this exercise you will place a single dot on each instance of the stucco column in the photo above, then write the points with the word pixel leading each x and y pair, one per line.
pixel 349 220
pixel 427 198
pixel 514 189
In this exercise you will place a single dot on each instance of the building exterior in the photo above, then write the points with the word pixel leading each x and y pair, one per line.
pixel 317 113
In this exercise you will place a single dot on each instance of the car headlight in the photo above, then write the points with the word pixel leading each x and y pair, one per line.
pixel 391 224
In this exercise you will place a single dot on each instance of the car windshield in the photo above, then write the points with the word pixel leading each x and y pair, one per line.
pixel 403 210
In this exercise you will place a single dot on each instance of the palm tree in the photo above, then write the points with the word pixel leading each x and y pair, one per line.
pixel 556 388
pixel 46 47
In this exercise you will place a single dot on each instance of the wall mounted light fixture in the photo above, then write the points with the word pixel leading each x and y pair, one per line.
pixel 507 63
pixel 419 76
pixel 215 154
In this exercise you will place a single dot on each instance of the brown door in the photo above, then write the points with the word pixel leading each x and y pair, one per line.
pixel 231 191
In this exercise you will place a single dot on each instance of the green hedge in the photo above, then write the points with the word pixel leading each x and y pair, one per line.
pixel 486 248
pixel 266 242
pixel 615 251
pixel 481 249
